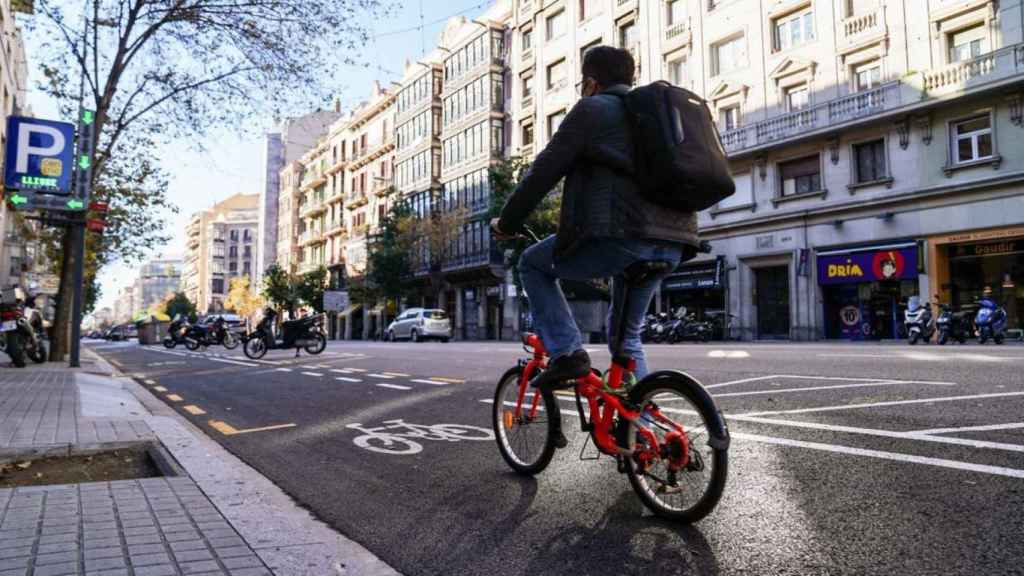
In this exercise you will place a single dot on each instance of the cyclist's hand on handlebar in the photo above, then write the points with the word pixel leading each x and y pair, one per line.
pixel 498 233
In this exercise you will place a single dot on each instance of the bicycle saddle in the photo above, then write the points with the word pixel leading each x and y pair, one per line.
pixel 645 270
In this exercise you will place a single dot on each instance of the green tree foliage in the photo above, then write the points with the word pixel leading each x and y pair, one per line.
pixel 389 262
pixel 180 304
pixel 310 288
pixel 279 289
pixel 154 71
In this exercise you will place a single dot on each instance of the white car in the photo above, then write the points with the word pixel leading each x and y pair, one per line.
pixel 420 324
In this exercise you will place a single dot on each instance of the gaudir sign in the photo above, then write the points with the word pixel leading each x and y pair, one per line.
pixel 39 155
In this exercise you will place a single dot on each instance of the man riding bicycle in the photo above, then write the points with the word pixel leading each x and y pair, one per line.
pixel 605 224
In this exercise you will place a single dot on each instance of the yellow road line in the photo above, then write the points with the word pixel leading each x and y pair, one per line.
pixel 397 374
pixel 194 410
pixel 160 389
pixel 449 380
pixel 174 398
pixel 229 430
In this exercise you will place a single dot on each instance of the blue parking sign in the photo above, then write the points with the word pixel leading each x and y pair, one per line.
pixel 39 156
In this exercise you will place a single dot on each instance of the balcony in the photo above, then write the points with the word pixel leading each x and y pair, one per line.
pixel 527 102
pixel 676 35
pixel 335 227
pixel 353 201
pixel 623 6
pixel 382 188
pixel 526 10
pixel 856 31
pixel 963 76
pixel 828 114
pixel 527 55
pixel 526 151
pixel 311 236
pixel 360 231
pixel 373 151
pixel 312 208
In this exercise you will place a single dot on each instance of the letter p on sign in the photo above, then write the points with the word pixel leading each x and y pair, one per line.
pixel 39 155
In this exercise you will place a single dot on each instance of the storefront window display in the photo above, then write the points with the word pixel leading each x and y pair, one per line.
pixel 998 266
pixel 865 290
pixel 700 288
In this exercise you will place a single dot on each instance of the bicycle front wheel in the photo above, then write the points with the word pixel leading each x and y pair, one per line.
pixel 526 442
pixel 690 492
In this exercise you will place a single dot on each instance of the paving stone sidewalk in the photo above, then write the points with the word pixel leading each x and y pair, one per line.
pixel 40 414
pixel 149 527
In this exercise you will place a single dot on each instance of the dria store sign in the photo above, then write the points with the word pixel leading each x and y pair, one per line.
pixel 868 265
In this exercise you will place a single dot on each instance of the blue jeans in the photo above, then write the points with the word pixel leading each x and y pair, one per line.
pixel 597 258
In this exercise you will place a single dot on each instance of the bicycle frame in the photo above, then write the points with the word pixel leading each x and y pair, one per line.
pixel 604 406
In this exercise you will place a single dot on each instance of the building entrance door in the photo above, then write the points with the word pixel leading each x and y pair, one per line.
pixel 772 287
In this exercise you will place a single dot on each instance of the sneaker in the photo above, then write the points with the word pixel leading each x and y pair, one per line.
pixel 562 371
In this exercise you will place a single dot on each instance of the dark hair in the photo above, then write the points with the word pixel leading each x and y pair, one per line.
pixel 609 65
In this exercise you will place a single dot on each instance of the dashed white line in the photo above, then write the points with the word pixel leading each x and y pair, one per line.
pixel 394 386
pixel 813 388
pixel 341 371
pixel 283 369
pixel 890 403
pixel 317 374
pixel 432 382
pixel 381 376
pixel 344 379
pixel 983 428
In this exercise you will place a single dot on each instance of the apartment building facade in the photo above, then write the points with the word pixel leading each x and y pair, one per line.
pixel 158 280
pixel 872 142
pixel 220 245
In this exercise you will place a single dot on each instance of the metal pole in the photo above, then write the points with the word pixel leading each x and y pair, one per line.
pixel 77 231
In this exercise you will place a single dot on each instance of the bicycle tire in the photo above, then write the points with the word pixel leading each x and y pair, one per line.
pixel 685 386
pixel 524 466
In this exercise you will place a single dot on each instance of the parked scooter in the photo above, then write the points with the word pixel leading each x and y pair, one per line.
pixel 952 324
pixel 22 327
pixel 990 321
pixel 918 320
pixel 176 332
pixel 301 334
pixel 685 327
pixel 217 332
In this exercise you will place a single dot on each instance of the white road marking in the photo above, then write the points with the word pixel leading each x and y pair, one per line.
pixel 382 376
pixel 825 378
pixel 889 403
pixel 728 354
pixel 235 362
pixel 895 456
pixel 434 382
pixel 395 386
pixel 317 374
pixel 344 379
pixel 341 370
pixel 983 428
pixel 358 369
pixel 284 369
pixel 883 433
pixel 814 388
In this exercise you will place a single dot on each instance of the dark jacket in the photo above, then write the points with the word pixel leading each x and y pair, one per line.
pixel 593 150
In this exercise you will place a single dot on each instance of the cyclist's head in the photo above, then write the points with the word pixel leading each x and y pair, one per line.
pixel 605 66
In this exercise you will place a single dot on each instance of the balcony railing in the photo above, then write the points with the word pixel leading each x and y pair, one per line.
pixel 355 200
pixel 527 101
pixel 677 31
pixel 527 54
pixel 833 112
pixel 526 9
pixel 862 25
pixel 984 69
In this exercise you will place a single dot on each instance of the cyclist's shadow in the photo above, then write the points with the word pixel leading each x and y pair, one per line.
pixel 626 541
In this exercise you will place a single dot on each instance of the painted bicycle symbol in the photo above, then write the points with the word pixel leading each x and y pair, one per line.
pixel 399 436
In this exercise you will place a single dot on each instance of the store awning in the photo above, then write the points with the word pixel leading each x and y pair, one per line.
pixel 350 310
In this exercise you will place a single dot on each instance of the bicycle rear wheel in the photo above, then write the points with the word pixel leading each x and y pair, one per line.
pixel 692 492
pixel 527 444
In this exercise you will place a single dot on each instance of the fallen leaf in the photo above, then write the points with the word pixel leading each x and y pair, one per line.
pixel 24 465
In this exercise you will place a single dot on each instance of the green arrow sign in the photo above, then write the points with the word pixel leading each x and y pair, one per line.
pixel 88 116
pixel 17 199
pixel 83 162
pixel 75 204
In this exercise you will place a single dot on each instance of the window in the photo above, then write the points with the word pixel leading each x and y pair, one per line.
pixel 218 286
pixel 867 76
pixel 972 139
pixel 869 161
pixel 527 87
pixel 675 12
pixel 554 121
pixel 555 25
pixel 968 43
pixel 800 176
pixel 527 134
pixel 676 71
pixel 233 252
pixel 232 267
pixel 556 75
pixel 233 235
pixel 627 35
pixel 527 39
pixel 730 55
pixel 588 8
pixel 729 117
pixel 794 29
pixel 247 268
pixel 796 98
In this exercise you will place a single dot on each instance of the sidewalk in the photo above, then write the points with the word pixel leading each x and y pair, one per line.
pixel 220 517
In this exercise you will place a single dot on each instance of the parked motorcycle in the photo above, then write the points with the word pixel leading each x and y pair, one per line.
pixel 302 334
pixel 685 327
pixel 176 332
pixel 918 320
pixel 204 335
pixel 656 327
pixel 22 327
pixel 952 324
pixel 990 321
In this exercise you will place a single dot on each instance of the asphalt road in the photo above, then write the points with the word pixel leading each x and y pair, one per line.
pixel 845 459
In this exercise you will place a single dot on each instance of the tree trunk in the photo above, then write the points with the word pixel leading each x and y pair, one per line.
pixel 60 336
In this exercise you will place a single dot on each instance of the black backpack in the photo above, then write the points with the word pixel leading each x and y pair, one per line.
pixel 679 162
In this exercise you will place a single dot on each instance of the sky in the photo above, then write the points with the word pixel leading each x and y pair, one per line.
pixel 198 179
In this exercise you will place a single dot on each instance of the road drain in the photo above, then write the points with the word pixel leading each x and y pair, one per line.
pixel 143 461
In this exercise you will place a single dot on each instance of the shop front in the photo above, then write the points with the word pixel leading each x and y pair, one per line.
pixel 864 290
pixel 700 287
pixel 970 264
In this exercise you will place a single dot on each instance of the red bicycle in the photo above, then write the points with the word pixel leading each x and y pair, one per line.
pixel 665 431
